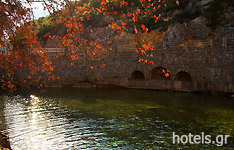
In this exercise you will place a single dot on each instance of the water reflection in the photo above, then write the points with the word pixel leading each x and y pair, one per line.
pixel 112 119
pixel 31 126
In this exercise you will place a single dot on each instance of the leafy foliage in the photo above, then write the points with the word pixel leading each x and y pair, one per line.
pixel 74 24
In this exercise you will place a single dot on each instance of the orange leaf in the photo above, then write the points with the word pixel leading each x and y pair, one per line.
pixel 123 24
pixel 143 27
pixel 135 29
pixel 103 65
pixel 166 75
pixel 177 2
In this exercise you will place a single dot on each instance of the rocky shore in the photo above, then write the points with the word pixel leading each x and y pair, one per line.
pixel 4 142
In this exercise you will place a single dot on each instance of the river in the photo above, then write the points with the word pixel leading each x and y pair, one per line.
pixel 53 119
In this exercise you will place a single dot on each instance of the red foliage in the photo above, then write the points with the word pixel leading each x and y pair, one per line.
pixel 26 54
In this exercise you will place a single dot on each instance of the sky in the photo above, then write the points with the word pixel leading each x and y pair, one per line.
pixel 38 10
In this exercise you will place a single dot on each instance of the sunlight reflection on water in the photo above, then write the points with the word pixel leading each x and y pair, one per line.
pixel 93 119
pixel 33 127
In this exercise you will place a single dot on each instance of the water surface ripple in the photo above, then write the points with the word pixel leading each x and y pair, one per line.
pixel 55 119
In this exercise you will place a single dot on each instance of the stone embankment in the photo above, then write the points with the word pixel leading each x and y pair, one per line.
pixel 195 57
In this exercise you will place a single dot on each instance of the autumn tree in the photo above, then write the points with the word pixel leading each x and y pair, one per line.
pixel 78 19
pixel 126 17
pixel 24 54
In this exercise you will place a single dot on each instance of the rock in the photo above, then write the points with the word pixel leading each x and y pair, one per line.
pixel 194 30
pixel 4 142
pixel 204 2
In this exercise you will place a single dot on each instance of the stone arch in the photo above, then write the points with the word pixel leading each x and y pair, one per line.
pixel 137 75
pixel 183 76
pixel 160 73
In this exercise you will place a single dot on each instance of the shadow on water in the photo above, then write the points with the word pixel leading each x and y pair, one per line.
pixel 112 118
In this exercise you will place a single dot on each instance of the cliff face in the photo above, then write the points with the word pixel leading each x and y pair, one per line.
pixel 191 20
pixel 196 23
pixel 195 33
pixel 193 30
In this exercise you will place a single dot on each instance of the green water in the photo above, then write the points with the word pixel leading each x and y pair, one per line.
pixel 113 119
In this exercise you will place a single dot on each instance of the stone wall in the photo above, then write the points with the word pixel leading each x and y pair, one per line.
pixel 210 67
pixel 198 58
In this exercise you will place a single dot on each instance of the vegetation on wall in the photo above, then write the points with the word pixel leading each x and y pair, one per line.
pixel 77 26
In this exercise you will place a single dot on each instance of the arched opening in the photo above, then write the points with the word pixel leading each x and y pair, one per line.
pixel 160 73
pixel 183 76
pixel 137 75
